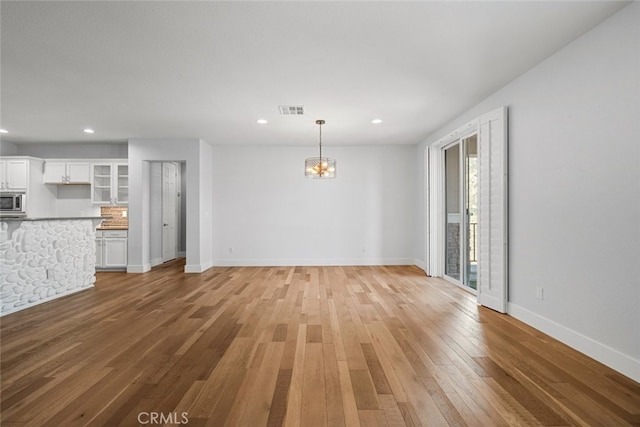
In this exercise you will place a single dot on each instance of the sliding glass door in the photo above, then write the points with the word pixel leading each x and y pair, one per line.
pixel 461 211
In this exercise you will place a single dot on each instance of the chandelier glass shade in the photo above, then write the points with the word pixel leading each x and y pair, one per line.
pixel 320 167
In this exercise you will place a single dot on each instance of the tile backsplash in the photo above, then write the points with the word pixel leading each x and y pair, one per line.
pixel 118 214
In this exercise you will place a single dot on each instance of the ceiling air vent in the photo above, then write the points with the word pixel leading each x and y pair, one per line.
pixel 291 110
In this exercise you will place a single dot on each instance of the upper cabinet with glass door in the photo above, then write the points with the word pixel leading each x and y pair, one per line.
pixel 122 178
pixel 110 183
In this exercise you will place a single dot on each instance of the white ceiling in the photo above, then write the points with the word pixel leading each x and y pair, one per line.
pixel 211 69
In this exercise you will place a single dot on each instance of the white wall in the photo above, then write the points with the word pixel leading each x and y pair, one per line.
pixel 182 246
pixel 205 205
pixel 74 200
pixel 155 213
pixel 267 213
pixel 8 148
pixel 574 189
pixel 73 151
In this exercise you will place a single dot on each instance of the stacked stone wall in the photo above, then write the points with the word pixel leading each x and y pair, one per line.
pixel 44 260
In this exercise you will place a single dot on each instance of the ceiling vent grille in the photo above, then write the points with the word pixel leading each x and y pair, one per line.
pixel 291 110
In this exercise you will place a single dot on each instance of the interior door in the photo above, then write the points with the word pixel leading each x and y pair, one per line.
pixel 169 211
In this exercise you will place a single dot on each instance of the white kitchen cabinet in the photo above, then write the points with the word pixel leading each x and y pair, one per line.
pixel 23 174
pixel 14 174
pixel 66 172
pixel 111 249
pixel 110 183
pixel 99 250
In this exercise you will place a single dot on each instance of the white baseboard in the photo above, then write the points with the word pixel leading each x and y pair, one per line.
pixel 310 262
pixel 604 354
pixel 421 264
pixel 156 261
pixel 181 254
pixel 138 268
pixel 195 268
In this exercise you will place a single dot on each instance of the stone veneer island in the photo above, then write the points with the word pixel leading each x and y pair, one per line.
pixel 42 259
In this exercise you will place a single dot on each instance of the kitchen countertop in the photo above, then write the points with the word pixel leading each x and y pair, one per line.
pixel 63 218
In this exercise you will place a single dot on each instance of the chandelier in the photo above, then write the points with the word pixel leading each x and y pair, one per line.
pixel 320 167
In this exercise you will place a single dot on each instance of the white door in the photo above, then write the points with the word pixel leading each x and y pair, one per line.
pixel 169 211
pixel 492 210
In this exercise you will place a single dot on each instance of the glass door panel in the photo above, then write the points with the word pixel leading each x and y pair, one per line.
pixel 452 202
pixel 461 203
pixel 471 209
pixel 101 184
pixel 123 184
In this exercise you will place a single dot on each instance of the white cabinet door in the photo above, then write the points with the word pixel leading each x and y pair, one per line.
pixel 55 172
pixel 66 173
pixel 111 249
pixel 110 183
pixel 99 250
pixel 101 177
pixel 115 252
pixel 14 175
pixel 78 173
pixel 121 183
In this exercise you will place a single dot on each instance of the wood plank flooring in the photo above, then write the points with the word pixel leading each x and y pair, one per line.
pixel 294 346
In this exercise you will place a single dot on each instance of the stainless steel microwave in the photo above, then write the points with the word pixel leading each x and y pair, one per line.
pixel 13 204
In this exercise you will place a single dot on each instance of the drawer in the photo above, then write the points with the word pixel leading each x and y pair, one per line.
pixel 114 233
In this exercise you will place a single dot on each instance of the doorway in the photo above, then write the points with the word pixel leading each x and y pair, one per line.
pixel 461 211
pixel 167 211
pixel 470 168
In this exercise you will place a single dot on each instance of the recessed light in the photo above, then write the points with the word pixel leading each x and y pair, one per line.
pixel 87 130
pixel 4 131
pixel 261 121
pixel 376 121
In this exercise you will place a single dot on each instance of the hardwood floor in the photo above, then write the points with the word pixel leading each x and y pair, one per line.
pixel 294 346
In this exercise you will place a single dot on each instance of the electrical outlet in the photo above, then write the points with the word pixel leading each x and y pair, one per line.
pixel 540 293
